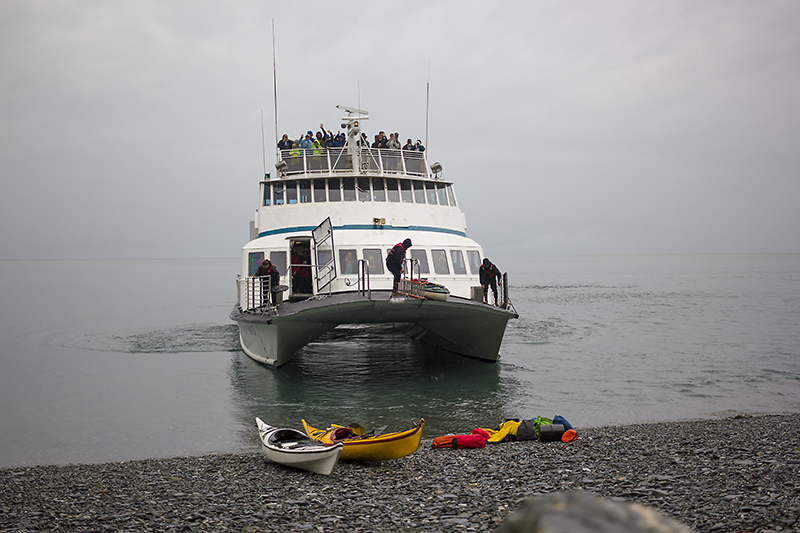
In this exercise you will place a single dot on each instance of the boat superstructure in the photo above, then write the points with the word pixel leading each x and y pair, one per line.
pixel 327 220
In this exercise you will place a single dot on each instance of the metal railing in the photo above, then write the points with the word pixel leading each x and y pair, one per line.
pixel 331 161
pixel 411 262
pixel 255 294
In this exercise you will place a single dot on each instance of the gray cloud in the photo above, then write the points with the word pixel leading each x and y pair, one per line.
pixel 133 129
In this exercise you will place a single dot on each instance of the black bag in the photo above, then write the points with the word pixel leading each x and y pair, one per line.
pixel 526 430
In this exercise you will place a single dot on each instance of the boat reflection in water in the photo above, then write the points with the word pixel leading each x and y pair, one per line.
pixel 370 375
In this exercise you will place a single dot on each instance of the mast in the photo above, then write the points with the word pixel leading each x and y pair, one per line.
pixel 427 104
pixel 275 93
pixel 354 115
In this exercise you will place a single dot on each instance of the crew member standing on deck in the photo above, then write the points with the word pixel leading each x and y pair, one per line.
pixel 489 276
pixel 267 269
pixel 395 260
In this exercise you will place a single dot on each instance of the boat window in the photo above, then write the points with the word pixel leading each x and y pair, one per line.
pixel 291 192
pixel 349 186
pixel 305 191
pixel 405 191
pixel 474 259
pixel 267 194
pixel 319 190
pixel 441 193
pixel 440 262
pixel 419 192
pixel 422 257
pixel 392 193
pixel 348 261
pixel 451 195
pixel 277 193
pixel 378 192
pixel 457 259
pixel 334 192
pixel 363 190
pixel 278 260
pixel 254 260
pixel 430 193
pixel 374 260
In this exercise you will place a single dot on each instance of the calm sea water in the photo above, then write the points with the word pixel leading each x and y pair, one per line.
pixel 120 360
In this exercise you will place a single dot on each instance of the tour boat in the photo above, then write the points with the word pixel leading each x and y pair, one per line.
pixel 326 221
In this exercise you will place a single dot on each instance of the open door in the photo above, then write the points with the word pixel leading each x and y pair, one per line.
pixel 325 257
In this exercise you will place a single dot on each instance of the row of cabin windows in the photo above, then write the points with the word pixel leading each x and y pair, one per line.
pixel 348 261
pixel 361 189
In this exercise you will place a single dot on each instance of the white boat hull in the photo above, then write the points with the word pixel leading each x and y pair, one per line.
pixel 297 452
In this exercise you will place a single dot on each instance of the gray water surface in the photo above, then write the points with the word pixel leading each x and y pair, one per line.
pixel 120 360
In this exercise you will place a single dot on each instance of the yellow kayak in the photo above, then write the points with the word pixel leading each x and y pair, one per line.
pixel 367 447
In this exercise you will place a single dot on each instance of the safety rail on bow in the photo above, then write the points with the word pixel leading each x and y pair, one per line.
pixel 255 295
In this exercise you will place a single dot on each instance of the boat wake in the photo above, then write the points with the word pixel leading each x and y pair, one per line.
pixel 201 338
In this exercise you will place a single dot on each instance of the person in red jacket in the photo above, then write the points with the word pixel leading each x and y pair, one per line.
pixel 395 260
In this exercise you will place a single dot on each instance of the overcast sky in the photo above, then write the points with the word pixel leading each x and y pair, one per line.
pixel 133 128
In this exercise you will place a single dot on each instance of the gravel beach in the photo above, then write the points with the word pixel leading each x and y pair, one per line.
pixel 732 474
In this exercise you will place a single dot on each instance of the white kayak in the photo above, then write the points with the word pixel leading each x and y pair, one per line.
pixel 294 448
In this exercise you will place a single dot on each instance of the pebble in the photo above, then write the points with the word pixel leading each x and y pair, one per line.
pixel 731 474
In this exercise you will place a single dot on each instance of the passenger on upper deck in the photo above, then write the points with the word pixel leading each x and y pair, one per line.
pixel 392 143
pixel 285 143
pixel 418 147
pixel 325 137
pixel 305 143
pixel 316 146
pixel 409 146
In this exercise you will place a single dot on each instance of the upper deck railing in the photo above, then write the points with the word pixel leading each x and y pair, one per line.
pixel 344 160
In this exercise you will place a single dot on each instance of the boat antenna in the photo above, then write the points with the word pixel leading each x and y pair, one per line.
pixel 274 93
pixel 427 104
pixel 263 143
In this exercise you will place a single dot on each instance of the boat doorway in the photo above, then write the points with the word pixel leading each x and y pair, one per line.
pixel 300 268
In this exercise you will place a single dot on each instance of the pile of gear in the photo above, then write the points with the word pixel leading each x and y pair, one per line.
pixel 539 428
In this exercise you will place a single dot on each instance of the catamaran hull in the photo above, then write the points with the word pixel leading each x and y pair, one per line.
pixel 457 325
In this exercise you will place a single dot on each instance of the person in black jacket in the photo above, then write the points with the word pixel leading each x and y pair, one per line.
pixel 489 277
pixel 285 143
pixel 267 269
pixel 394 261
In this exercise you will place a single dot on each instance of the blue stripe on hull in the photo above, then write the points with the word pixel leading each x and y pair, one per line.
pixel 364 227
